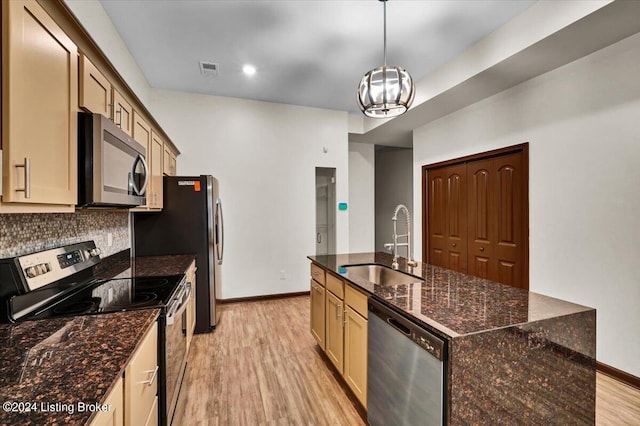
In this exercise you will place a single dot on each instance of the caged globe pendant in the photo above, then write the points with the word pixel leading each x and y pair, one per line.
pixel 385 92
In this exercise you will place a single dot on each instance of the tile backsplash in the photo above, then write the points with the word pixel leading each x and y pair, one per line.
pixel 26 233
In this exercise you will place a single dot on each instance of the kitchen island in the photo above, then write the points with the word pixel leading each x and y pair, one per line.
pixel 514 357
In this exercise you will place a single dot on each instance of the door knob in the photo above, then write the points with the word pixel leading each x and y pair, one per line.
pixel 454 244
pixel 481 248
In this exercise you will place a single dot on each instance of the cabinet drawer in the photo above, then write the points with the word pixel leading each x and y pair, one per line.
pixel 141 380
pixel 115 400
pixel 356 299
pixel 335 285
pixel 317 273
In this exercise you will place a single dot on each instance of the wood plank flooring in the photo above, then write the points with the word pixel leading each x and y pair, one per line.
pixel 261 367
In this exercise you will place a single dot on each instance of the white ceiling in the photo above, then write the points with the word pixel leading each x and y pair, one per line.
pixel 306 52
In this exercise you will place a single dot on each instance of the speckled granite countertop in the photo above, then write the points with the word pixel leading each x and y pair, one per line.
pixel 66 361
pixel 453 303
pixel 121 265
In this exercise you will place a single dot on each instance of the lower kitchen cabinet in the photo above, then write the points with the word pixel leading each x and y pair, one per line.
pixel 191 307
pixel 115 401
pixel 317 313
pixel 355 353
pixel 334 330
pixel 141 383
pixel 340 326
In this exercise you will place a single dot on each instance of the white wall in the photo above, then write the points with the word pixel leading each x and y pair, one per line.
pixel 99 26
pixel 394 186
pixel 361 197
pixel 264 155
pixel 582 123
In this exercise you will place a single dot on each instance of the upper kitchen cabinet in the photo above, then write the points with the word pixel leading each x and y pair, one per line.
pixel 122 112
pixel 39 111
pixel 169 161
pixel 142 135
pixel 154 198
pixel 95 89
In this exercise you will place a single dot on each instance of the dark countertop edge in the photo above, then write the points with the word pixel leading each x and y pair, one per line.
pixel 439 328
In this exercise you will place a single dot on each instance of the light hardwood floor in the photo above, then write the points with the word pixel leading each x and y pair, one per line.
pixel 261 367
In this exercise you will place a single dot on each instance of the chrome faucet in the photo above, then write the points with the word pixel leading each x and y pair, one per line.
pixel 394 246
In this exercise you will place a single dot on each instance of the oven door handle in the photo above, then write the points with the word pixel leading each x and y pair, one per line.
pixel 178 311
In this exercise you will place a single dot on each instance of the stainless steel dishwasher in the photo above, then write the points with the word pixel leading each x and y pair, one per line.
pixel 405 373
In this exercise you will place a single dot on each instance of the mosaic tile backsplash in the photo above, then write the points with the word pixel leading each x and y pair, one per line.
pixel 27 233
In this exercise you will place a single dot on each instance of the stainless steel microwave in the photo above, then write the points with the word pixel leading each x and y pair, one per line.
pixel 112 171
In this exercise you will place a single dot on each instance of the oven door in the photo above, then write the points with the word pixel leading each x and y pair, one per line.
pixel 176 349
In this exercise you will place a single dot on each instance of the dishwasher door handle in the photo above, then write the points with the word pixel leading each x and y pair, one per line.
pixel 399 326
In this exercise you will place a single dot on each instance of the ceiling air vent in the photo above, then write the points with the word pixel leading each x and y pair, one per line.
pixel 209 69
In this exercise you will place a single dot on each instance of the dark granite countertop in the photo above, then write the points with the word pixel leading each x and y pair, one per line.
pixel 66 361
pixel 452 303
pixel 121 265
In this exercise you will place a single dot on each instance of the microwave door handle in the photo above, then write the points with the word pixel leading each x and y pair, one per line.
pixel 139 191
pixel 146 174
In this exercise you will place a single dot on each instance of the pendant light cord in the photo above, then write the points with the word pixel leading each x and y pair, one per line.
pixel 385 31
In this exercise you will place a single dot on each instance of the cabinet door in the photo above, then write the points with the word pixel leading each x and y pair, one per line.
pixel 157 151
pixel 355 353
pixel 95 89
pixel 122 113
pixel 334 330
pixel 141 381
pixel 447 216
pixel 115 401
pixel 173 168
pixel 166 169
pixel 191 308
pixel 39 107
pixel 496 219
pixel 318 313
pixel 142 134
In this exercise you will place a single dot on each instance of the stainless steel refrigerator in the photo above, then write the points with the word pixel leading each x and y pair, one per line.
pixel 191 222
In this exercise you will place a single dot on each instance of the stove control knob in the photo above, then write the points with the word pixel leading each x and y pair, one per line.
pixel 47 267
pixel 40 269
pixel 94 252
pixel 31 271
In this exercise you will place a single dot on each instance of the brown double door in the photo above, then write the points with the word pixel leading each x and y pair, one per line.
pixel 476 218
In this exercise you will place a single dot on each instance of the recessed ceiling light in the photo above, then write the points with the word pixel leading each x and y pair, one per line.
pixel 249 69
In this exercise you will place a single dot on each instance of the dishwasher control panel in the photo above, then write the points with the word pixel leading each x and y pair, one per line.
pixel 422 337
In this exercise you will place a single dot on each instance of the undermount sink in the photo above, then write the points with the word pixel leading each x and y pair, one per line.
pixel 381 275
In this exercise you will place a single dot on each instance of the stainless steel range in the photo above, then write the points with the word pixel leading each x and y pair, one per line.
pixel 63 282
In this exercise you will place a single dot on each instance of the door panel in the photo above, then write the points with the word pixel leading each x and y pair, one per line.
pixel 476 218
pixel 448 217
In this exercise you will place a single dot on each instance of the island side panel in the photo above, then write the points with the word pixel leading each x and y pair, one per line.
pixel 537 373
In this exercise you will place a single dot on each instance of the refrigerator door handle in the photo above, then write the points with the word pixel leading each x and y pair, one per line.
pixel 219 231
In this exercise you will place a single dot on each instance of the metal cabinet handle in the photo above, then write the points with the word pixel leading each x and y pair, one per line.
pixel 27 177
pixel 454 244
pixel 481 248
pixel 154 374
pixel 119 114
pixel 319 238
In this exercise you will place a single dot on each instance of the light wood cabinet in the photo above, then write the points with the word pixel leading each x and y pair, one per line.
pixel 39 111
pixel 334 330
pixel 342 310
pixel 115 401
pixel 355 353
pixel 318 313
pixel 155 159
pixel 122 112
pixel 141 382
pixel 191 308
pixel 95 89
pixel 169 161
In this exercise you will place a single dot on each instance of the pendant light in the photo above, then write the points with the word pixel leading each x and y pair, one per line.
pixel 385 92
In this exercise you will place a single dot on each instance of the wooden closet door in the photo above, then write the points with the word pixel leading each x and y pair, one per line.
pixel 447 220
pixel 496 219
